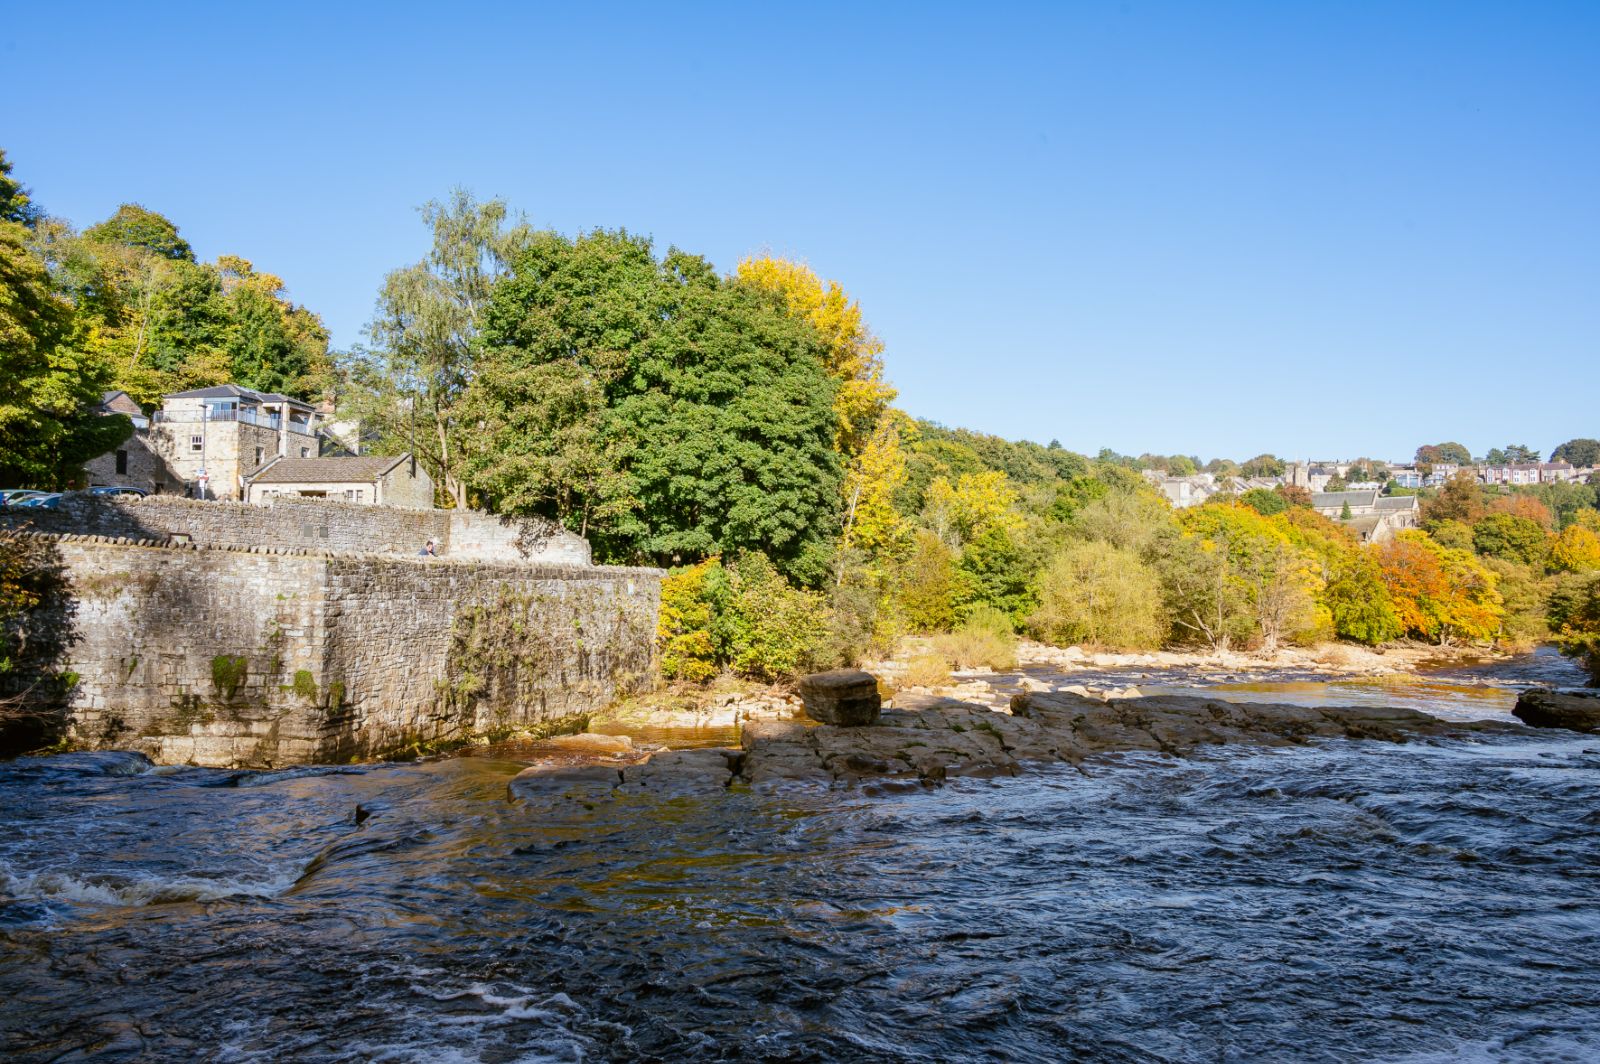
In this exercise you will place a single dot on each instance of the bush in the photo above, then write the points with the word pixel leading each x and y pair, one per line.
pixel 929 585
pixel 1100 594
pixel 985 638
pixel 684 630
pixel 763 627
pixel 926 670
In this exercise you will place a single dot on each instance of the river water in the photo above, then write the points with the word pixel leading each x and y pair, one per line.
pixel 1435 901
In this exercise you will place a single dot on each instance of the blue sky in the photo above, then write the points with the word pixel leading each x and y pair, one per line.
pixel 1222 228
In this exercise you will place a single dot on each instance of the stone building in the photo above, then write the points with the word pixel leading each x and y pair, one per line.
pixel 370 481
pixel 205 442
pixel 213 438
pixel 1371 515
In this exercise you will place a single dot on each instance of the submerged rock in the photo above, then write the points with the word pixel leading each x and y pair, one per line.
pixel 1574 710
pixel 582 783
pixel 847 698
pixel 938 740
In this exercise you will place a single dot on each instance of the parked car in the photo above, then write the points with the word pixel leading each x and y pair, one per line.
pixel 51 501
pixel 12 496
pixel 117 490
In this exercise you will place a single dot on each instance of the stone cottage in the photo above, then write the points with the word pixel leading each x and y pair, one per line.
pixel 369 481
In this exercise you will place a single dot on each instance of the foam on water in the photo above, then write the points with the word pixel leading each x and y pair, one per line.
pixel 1426 902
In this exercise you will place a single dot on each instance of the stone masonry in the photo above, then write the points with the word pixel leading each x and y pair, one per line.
pixel 323 525
pixel 262 657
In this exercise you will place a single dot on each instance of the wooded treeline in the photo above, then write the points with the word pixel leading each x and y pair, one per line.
pixel 738 429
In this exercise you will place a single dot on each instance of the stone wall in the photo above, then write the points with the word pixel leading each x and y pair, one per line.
pixel 145 469
pixel 259 658
pixel 315 524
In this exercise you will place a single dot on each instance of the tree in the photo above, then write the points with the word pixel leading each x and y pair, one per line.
pixel 854 354
pixel 1513 454
pixel 271 344
pixel 1344 511
pixel 1574 616
pixel 15 203
pixel 1272 581
pixel 871 522
pixel 664 411
pixel 48 425
pixel 1264 501
pixel 930 588
pixel 1439 593
pixel 135 227
pixel 964 511
pixel 1263 465
pixel 1582 453
pixel 1095 593
pixel 1512 538
pixel 1460 499
pixel 1576 550
pixel 1524 506
pixel 1358 601
pixel 1443 454
pixel 426 325
pixel 997 574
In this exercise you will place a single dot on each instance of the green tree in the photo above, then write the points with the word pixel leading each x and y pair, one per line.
pixel 425 331
pixel 1096 593
pixel 135 227
pixel 704 401
pixel 1263 465
pixel 48 425
pixel 15 202
pixel 1264 501
pixel 1512 539
pixel 1583 453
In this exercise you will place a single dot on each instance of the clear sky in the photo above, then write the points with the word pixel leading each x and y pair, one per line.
pixel 1317 229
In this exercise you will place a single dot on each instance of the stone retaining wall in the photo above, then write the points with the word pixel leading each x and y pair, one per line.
pixel 262 657
pixel 317 524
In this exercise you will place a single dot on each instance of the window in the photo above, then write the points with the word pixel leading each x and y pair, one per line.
pixel 122 461
pixel 260 453
pixel 305 452
pixel 197 443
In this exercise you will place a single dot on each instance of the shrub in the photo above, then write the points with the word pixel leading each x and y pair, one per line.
pixel 926 670
pixel 684 630
pixel 761 626
pixel 929 586
pixel 1096 593
pixel 985 638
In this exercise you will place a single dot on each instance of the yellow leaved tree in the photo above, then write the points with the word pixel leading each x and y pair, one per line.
pixel 855 356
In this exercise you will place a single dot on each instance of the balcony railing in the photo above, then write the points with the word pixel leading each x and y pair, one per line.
pixel 242 415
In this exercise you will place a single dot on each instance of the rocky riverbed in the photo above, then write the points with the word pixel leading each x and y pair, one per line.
pixel 931 740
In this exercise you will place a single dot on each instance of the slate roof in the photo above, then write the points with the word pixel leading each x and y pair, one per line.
pixel 1398 502
pixel 1333 500
pixel 364 470
pixel 126 405
pixel 234 391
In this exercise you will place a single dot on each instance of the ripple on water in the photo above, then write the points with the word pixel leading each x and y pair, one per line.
pixel 1424 902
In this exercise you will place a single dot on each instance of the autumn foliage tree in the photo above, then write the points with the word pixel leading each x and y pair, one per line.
pixel 1439 593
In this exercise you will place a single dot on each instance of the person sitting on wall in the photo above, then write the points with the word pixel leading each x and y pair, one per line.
pixel 430 551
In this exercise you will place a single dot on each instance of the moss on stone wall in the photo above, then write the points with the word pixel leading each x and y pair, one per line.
pixel 228 673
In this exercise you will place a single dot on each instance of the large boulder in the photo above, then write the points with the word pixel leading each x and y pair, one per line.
pixel 1575 710
pixel 845 697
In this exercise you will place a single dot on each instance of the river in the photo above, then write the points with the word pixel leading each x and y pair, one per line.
pixel 1436 901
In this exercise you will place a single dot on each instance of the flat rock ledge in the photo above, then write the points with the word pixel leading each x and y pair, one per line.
pixel 1577 711
pixel 945 739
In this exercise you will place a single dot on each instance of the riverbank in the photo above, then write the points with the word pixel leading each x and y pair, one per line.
pixel 729 702
pixel 932 740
